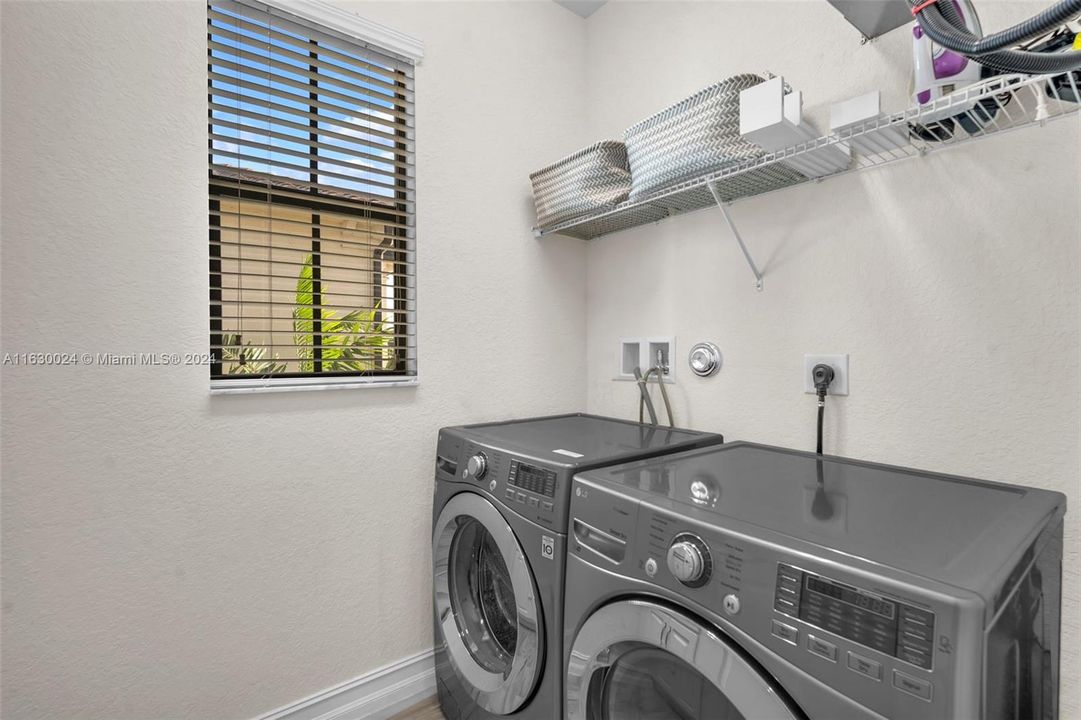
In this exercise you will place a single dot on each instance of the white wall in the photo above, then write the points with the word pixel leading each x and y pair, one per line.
pixel 953 281
pixel 167 554
pixel 171 554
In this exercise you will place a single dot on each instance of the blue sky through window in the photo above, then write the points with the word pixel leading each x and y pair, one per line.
pixel 264 103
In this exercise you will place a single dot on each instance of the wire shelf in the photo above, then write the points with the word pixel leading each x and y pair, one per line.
pixel 990 107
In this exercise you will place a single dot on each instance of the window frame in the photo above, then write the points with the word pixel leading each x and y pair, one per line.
pixel 329 20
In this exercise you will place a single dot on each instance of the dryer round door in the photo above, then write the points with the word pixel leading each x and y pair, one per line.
pixel 638 660
pixel 486 604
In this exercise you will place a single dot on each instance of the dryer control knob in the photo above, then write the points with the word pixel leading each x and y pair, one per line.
pixel 689 560
pixel 476 466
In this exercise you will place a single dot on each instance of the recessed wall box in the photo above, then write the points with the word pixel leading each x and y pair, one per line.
pixel 644 353
pixel 630 357
pixel 659 354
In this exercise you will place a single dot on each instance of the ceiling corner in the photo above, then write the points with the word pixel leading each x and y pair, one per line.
pixel 582 8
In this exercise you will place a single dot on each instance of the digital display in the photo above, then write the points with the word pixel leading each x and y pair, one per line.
pixel 534 479
pixel 878 606
pixel 898 629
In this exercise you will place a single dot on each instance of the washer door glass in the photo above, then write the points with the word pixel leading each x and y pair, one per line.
pixel 486 604
pixel 639 660
pixel 482 597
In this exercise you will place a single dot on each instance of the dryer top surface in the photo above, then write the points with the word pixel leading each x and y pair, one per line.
pixel 956 530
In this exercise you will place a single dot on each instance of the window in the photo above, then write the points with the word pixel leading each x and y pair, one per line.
pixel 311 202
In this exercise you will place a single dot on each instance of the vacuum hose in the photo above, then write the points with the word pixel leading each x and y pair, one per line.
pixel 944 25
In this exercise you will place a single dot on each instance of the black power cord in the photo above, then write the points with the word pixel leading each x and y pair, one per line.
pixel 822 376
pixel 821 507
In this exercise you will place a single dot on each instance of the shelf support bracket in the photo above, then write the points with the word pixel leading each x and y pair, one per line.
pixel 739 239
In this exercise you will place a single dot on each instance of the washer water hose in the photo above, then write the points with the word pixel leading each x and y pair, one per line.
pixel 943 24
pixel 644 400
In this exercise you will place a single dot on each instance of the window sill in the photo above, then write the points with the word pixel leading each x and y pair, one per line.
pixel 275 385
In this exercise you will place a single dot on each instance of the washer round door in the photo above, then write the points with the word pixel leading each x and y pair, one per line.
pixel 486 604
pixel 638 660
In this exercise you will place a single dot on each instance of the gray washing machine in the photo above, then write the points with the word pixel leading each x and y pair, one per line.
pixel 758 582
pixel 502 493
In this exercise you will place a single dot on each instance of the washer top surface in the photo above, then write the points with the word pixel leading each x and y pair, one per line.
pixel 953 529
pixel 585 440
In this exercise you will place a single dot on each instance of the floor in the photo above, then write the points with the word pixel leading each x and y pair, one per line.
pixel 427 710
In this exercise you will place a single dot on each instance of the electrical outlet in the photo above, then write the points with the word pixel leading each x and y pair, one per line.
pixel 839 363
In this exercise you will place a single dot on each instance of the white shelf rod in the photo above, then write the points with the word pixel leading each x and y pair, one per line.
pixel 739 238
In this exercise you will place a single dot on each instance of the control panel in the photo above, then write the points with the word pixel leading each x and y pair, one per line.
pixel 531 486
pixel 540 481
pixel 891 627
pixel 476 467
pixel 878 640
pixel 689 560
pixel 524 485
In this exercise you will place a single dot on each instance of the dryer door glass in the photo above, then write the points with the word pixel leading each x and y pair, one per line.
pixel 638 660
pixel 486 604
pixel 651 684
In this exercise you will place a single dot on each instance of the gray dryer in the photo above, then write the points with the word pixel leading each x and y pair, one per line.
pixel 753 581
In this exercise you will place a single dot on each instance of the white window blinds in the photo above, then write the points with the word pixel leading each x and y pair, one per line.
pixel 312 244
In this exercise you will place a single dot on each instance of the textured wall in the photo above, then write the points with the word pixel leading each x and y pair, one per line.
pixel 170 554
pixel 963 265
pixel 166 553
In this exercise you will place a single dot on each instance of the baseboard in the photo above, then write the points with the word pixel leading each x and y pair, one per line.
pixel 375 696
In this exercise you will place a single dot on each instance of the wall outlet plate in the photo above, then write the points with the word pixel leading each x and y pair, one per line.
pixel 839 363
